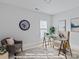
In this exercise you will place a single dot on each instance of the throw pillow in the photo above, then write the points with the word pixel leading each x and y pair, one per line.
pixel 10 41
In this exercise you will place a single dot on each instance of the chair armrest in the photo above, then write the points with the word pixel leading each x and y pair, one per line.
pixel 17 41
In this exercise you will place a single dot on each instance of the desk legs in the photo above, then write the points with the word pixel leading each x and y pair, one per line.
pixel 44 43
pixel 49 42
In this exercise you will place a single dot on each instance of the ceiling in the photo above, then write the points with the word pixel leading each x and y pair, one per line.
pixel 47 6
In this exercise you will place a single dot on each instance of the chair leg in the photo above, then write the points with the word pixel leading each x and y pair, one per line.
pixel 65 56
pixel 70 48
pixel 70 52
pixel 15 55
pixel 64 51
pixel 21 49
pixel 60 47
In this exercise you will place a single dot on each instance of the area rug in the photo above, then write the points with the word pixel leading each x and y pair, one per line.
pixel 43 53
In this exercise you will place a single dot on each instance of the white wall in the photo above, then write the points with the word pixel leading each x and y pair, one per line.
pixel 10 16
pixel 68 15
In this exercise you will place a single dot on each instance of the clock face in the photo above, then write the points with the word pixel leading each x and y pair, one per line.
pixel 24 25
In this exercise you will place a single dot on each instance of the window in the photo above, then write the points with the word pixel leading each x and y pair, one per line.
pixel 43 28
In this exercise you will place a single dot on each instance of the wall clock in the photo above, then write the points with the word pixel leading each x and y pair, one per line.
pixel 24 25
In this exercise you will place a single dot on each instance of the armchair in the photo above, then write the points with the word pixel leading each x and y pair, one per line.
pixel 12 49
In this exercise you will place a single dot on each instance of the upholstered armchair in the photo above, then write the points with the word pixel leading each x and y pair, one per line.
pixel 12 46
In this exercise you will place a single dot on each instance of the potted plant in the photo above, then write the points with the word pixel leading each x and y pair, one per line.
pixel 52 30
pixel 2 50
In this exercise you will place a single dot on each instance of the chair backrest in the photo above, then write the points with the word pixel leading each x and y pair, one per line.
pixel 65 34
pixel 4 41
pixel 68 37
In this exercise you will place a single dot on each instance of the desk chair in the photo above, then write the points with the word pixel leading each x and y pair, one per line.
pixel 65 44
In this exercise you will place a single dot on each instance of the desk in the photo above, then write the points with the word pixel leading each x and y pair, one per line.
pixel 47 40
pixel 4 56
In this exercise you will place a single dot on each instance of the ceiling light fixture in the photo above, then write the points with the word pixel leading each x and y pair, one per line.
pixel 48 1
pixel 36 9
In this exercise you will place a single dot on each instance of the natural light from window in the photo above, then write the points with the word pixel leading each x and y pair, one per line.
pixel 43 28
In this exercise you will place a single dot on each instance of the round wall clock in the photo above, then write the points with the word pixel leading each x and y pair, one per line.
pixel 24 25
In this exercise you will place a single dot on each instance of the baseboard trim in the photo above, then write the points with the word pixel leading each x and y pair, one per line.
pixel 33 45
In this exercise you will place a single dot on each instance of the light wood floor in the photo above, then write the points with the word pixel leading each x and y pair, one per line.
pixel 43 53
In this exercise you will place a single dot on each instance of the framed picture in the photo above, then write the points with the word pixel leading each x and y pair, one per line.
pixel 62 25
pixel 75 24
